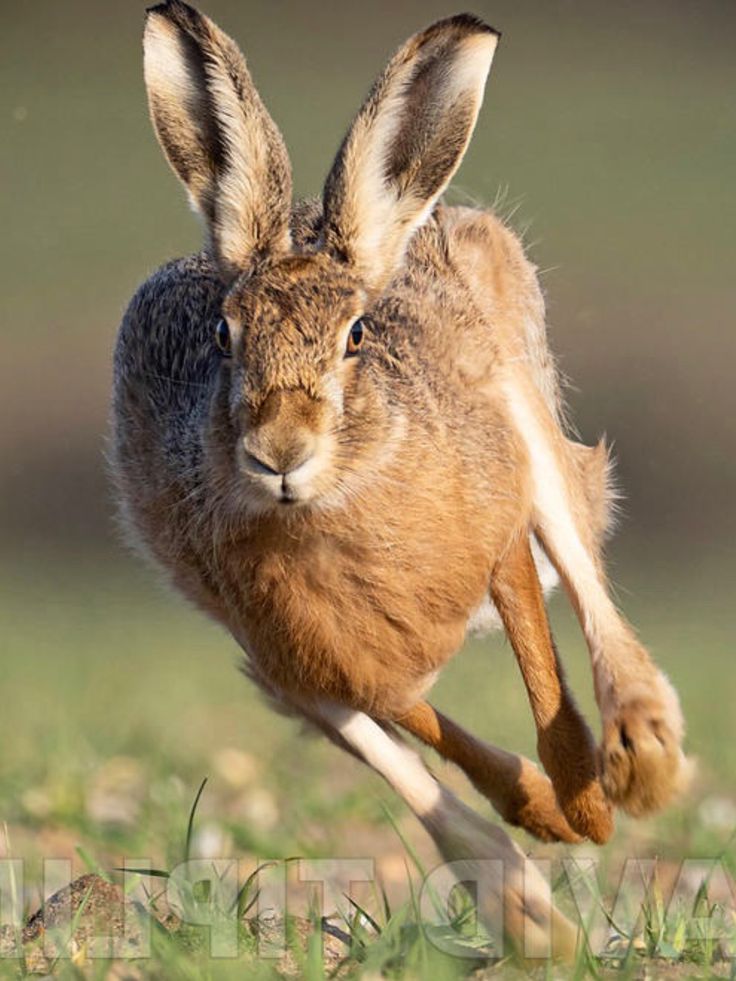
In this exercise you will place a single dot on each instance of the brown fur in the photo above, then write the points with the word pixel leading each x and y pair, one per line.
pixel 565 744
pixel 344 516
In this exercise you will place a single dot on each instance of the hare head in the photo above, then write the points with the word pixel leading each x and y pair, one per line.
pixel 297 396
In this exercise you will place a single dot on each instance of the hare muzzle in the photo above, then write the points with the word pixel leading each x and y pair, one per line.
pixel 285 450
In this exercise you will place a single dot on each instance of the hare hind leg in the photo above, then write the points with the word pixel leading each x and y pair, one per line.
pixel 518 791
pixel 642 761
pixel 523 905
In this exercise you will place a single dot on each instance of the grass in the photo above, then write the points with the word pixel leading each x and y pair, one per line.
pixel 118 701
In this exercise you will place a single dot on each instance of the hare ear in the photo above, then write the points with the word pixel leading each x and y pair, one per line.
pixel 217 135
pixel 406 143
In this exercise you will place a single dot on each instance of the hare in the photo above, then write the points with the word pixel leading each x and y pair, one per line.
pixel 339 431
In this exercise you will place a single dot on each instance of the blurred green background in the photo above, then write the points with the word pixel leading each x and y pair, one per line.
pixel 612 129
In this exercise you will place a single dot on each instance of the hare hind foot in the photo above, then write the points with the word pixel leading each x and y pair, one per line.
pixel 522 907
pixel 517 789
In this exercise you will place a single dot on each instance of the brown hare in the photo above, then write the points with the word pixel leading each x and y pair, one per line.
pixel 338 430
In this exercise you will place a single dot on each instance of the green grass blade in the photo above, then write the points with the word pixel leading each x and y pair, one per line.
pixel 190 823
pixel 156 873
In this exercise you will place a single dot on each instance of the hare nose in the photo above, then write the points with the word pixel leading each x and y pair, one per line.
pixel 260 466
pixel 277 461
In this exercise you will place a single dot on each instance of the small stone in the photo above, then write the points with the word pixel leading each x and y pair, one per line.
pixel 105 922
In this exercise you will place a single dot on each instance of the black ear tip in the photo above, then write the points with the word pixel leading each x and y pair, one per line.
pixel 461 25
pixel 173 8
pixel 159 9
pixel 188 19
pixel 476 25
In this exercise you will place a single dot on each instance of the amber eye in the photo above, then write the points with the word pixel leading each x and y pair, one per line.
pixel 222 338
pixel 355 338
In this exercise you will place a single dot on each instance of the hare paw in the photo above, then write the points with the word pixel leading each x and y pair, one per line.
pixel 643 765
pixel 533 806
pixel 589 812
pixel 568 752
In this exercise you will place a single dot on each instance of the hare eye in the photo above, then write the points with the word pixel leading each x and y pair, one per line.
pixel 222 338
pixel 355 338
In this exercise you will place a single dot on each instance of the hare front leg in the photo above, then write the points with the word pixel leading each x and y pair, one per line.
pixel 642 760
pixel 643 765
pixel 519 792
pixel 462 837
pixel 564 741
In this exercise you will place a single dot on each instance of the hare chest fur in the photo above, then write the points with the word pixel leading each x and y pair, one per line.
pixel 366 623
pixel 364 603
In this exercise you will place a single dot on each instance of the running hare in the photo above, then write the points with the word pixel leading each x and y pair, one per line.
pixel 338 430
